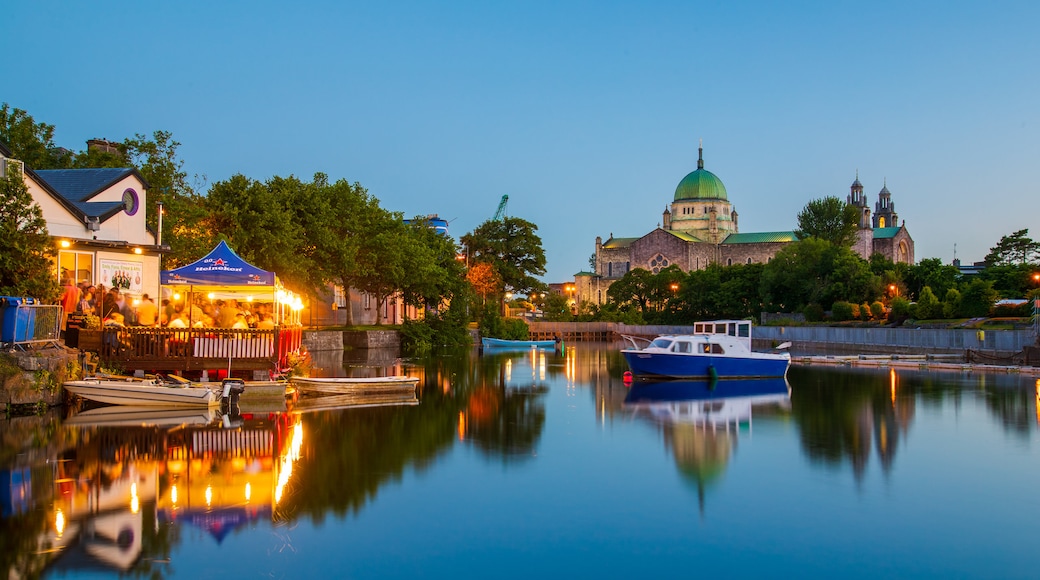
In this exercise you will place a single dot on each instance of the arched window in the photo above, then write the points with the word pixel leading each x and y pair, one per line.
pixel 749 260
pixel 881 222
pixel 729 261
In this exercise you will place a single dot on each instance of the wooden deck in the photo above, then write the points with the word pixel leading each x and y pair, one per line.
pixel 193 349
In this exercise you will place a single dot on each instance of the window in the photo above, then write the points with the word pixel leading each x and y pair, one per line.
pixel 682 347
pixel 729 261
pixel 77 266
pixel 610 269
pixel 881 222
pixel 749 260
pixel 368 301
pixel 658 263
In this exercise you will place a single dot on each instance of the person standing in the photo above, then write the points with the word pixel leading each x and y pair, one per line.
pixel 110 304
pixel 69 300
pixel 146 311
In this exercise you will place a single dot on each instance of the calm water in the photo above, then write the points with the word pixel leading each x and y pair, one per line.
pixel 516 465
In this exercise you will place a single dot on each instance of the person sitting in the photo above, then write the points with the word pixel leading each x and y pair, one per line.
pixel 265 323
pixel 240 321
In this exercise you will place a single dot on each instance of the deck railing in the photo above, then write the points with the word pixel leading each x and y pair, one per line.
pixel 150 348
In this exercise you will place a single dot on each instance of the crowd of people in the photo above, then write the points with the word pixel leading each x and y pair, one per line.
pixel 118 308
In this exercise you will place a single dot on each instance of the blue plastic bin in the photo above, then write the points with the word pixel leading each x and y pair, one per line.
pixel 16 324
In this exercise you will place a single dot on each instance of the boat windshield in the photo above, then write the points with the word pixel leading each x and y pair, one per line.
pixel 661 342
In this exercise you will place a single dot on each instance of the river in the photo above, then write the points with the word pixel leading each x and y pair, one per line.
pixel 519 464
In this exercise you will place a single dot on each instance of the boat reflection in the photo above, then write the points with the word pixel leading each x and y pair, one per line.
pixel 700 420
pixel 706 403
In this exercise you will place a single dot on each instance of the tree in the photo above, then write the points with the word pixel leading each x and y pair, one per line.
pixel 933 273
pixel 485 280
pixel 513 248
pixel 977 298
pixel 634 289
pixel 1015 249
pixel 30 142
pixel 25 263
pixel 829 219
pixel 928 305
pixel 815 271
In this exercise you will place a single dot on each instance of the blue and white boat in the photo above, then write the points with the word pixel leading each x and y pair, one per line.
pixel 718 349
pixel 517 344
pixel 716 403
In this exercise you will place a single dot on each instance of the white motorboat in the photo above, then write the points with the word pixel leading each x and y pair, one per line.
pixel 149 392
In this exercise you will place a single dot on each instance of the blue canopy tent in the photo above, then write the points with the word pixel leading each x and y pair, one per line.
pixel 224 274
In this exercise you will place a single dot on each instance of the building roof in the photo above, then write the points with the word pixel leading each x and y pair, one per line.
pixel 618 243
pixel 684 236
pixel 79 185
pixel 700 184
pixel 885 233
pixel 761 238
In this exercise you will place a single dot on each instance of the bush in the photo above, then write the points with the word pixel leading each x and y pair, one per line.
pixel 813 312
pixel 864 311
pixel 842 311
pixel 877 311
pixel 900 310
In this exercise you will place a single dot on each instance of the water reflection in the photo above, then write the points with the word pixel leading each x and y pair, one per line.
pixel 127 490
pixel 700 420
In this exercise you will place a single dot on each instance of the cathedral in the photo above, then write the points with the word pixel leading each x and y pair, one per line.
pixel 701 227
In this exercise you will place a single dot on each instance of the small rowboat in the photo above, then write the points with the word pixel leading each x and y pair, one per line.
pixel 517 344
pixel 144 392
pixel 348 385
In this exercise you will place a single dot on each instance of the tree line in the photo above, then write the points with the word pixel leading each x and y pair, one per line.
pixel 312 233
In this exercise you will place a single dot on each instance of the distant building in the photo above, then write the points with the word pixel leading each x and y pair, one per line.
pixel 701 227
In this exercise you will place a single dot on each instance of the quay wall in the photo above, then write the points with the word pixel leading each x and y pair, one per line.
pixel 322 340
pixel 900 340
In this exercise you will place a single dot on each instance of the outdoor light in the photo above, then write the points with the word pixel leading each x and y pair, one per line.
pixel 176 295
pixel 210 295
pixel 65 243
pixel 137 251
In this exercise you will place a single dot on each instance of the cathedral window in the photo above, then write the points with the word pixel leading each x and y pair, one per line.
pixel 610 269
pixel 749 260
pixel 658 263
pixel 881 222
pixel 729 261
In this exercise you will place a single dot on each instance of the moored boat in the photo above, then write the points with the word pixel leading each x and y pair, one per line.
pixel 148 392
pixel 521 344
pixel 719 349
pixel 348 385
pixel 707 402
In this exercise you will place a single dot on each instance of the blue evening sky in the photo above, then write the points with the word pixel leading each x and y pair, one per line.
pixel 586 114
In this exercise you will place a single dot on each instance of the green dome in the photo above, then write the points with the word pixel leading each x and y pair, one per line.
pixel 700 184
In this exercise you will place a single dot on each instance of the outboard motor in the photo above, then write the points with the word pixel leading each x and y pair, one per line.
pixel 231 389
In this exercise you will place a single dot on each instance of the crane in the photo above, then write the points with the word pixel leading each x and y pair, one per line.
pixel 501 213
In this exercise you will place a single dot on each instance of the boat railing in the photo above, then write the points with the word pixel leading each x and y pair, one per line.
pixel 635 341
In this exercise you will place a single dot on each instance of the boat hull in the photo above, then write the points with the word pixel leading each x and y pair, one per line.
pixel 696 366
pixel 350 385
pixel 515 344
pixel 141 393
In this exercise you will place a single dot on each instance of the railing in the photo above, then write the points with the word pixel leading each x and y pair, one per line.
pixel 149 348
pixel 30 324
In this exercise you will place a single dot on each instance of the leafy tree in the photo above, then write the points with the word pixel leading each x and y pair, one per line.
pixel 432 272
pixel 1017 248
pixel 829 219
pixel 1010 280
pixel 928 305
pixel 30 142
pixel 933 273
pixel 952 303
pixel 635 289
pixel 25 262
pixel 556 308
pixel 513 248
pixel 721 292
pixel 485 280
pixel 977 298
pixel 842 311
pixel 815 271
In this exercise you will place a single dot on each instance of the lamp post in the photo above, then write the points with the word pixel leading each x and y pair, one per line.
pixel 1036 313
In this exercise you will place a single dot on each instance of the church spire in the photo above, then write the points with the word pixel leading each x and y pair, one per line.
pixel 700 154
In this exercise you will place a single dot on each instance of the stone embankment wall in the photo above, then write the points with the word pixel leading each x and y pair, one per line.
pixel 34 377
pixel 322 340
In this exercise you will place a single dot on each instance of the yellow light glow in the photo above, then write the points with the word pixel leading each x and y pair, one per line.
pixel 249 298
pixel 65 243
pixel 209 495
pixel 461 428
pixel 137 301
pixel 211 296
pixel 135 502
pixel 173 495
pixel 509 369
pixel 59 522
pixel 138 251
pixel 249 491
pixel 892 380
pixel 176 295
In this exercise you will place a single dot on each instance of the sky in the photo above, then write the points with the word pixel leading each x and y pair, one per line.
pixel 586 114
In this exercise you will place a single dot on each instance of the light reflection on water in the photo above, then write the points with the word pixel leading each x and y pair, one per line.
pixel 529 462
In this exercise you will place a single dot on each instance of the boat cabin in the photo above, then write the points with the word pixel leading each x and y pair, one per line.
pixel 739 329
